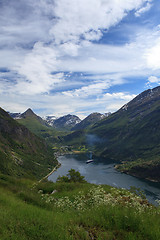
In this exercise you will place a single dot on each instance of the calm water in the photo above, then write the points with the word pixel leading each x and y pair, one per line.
pixel 100 172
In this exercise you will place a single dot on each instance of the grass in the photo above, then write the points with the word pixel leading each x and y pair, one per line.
pixel 26 213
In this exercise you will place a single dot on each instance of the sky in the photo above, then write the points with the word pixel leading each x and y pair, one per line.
pixel 61 57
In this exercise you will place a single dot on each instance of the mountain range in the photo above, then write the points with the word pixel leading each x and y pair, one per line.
pixel 130 136
pixel 64 123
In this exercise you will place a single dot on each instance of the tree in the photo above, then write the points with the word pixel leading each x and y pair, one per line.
pixel 72 176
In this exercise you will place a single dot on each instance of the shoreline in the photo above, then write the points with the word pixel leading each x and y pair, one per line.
pixel 136 175
pixel 53 170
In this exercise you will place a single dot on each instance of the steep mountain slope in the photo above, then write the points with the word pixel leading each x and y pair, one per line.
pixel 21 152
pixel 39 126
pixel 90 120
pixel 15 115
pixel 133 134
pixel 66 122
pixel 35 124
pixel 30 115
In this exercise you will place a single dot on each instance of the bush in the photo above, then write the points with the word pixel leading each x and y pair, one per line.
pixel 72 176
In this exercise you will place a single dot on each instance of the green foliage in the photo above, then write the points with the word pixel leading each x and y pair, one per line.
pixel 63 179
pixel 32 210
pixel 72 176
pixel 137 191
pixel 83 149
pixel 143 168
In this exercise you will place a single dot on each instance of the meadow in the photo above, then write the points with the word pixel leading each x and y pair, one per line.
pixel 46 210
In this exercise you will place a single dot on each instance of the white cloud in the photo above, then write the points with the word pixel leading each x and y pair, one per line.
pixel 37 69
pixel 40 37
pixel 107 59
pixel 87 17
pixel 96 88
pixel 144 9
pixel 69 48
pixel 153 54
pixel 119 95
pixel 60 28
pixel 59 104
pixel 91 90
pixel 114 101
pixel 154 79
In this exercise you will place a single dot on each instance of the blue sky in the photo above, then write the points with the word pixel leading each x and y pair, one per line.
pixel 77 56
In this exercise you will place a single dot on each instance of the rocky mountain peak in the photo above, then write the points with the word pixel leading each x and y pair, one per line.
pixel 28 113
pixel 50 120
pixel 67 121
pixel 89 120
pixel 142 101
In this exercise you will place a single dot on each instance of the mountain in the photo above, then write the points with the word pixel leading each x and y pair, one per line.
pixel 132 136
pixel 34 123
pixel 21 152
pixel 29 114
pixel 50 120
pixel 89 120
pixel 40 127
pixel 66 122
pixel 15 115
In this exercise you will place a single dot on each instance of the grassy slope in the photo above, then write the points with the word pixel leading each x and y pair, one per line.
pixel 40 218
pixel 21 152
pixel 133 135
pixel 51 135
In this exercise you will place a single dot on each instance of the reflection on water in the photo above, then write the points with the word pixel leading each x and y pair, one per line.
pixel 100 172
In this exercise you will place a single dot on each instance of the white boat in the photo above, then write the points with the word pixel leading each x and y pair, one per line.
pixel 89 161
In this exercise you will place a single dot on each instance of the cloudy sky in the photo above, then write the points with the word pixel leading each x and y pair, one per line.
pixel 77 56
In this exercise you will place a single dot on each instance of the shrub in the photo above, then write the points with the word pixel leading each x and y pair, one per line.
pixel 72 176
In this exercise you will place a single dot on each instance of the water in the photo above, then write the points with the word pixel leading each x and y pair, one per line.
pixel 100 172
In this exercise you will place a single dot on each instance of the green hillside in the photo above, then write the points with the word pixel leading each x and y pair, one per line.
pixel 130 136
pixel 39 127
pixel 21 152
pixel 75 211
pixel 71 208
pixel 36 124
pixel 133 134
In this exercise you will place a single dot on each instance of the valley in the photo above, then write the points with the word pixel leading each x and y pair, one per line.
pixel 127 141
pixel 79 120
pixel 130 136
